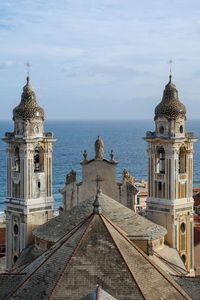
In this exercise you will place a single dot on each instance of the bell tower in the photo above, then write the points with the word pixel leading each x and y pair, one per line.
pixel 29 200
pixel 170 174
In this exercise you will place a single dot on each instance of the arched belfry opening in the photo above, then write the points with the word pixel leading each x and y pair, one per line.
pixel 39 159
pixel 160 161
pixel 16 160
pixel 182 160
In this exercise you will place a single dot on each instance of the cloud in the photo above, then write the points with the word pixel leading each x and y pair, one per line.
pixel 5 64
pixel 112 48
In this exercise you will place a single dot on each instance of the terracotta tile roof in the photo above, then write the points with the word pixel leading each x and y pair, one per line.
pixel 196 236
pixel 196 198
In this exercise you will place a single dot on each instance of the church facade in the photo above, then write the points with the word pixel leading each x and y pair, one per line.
pixel 99 173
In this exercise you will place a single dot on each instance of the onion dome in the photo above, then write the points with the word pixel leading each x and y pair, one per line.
pixel 99 148
pixel 170 107
pixel 28 107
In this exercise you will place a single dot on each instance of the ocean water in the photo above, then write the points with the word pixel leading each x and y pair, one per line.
pixel 72 137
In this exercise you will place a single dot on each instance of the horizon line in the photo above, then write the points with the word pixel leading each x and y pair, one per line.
pixel 97 119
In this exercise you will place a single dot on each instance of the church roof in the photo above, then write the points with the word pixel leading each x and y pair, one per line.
pixel 8 281
pixel 170 107
pixel 28 107
pixel 96 252
pixel 191 285
pixel 98 294
pixel 135 226
pixel 168 259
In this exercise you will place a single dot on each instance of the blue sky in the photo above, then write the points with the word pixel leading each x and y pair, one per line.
pixel 99 59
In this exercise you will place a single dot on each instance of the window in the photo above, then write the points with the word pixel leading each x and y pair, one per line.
pixel 161 129
pixel 183 236
pixel 159 186
pixel 15 258
pixel 182 227
pixel 16 229
pixel 183 257
pixel 39 160
pixel 16 160
pixel 181 129
pixel 182 160
pixel 161 160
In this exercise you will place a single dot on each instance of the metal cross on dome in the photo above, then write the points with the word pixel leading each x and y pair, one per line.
pixel 170 66
pixel 28 65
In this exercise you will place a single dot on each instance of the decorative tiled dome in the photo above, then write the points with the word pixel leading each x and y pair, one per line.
pixel 28 107
pixel 170 107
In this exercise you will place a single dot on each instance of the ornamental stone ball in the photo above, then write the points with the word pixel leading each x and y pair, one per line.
pixel 99 148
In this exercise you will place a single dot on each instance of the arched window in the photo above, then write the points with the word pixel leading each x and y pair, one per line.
pixel 161 129
pixel 16 229
pixel 16 160
pixel 183 236
pixel 15 258
pixel 182 227
pixel 182 160
pixel 161 160
pixel 39 160
pixel 183 257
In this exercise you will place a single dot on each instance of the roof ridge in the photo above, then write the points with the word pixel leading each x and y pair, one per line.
pixel 72 255
pixel 50 254
pixel 145 256
pixel 101 217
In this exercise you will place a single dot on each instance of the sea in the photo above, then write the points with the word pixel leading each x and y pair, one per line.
pixel 73 137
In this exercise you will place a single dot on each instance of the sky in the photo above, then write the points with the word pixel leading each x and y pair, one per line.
pixel 99 59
